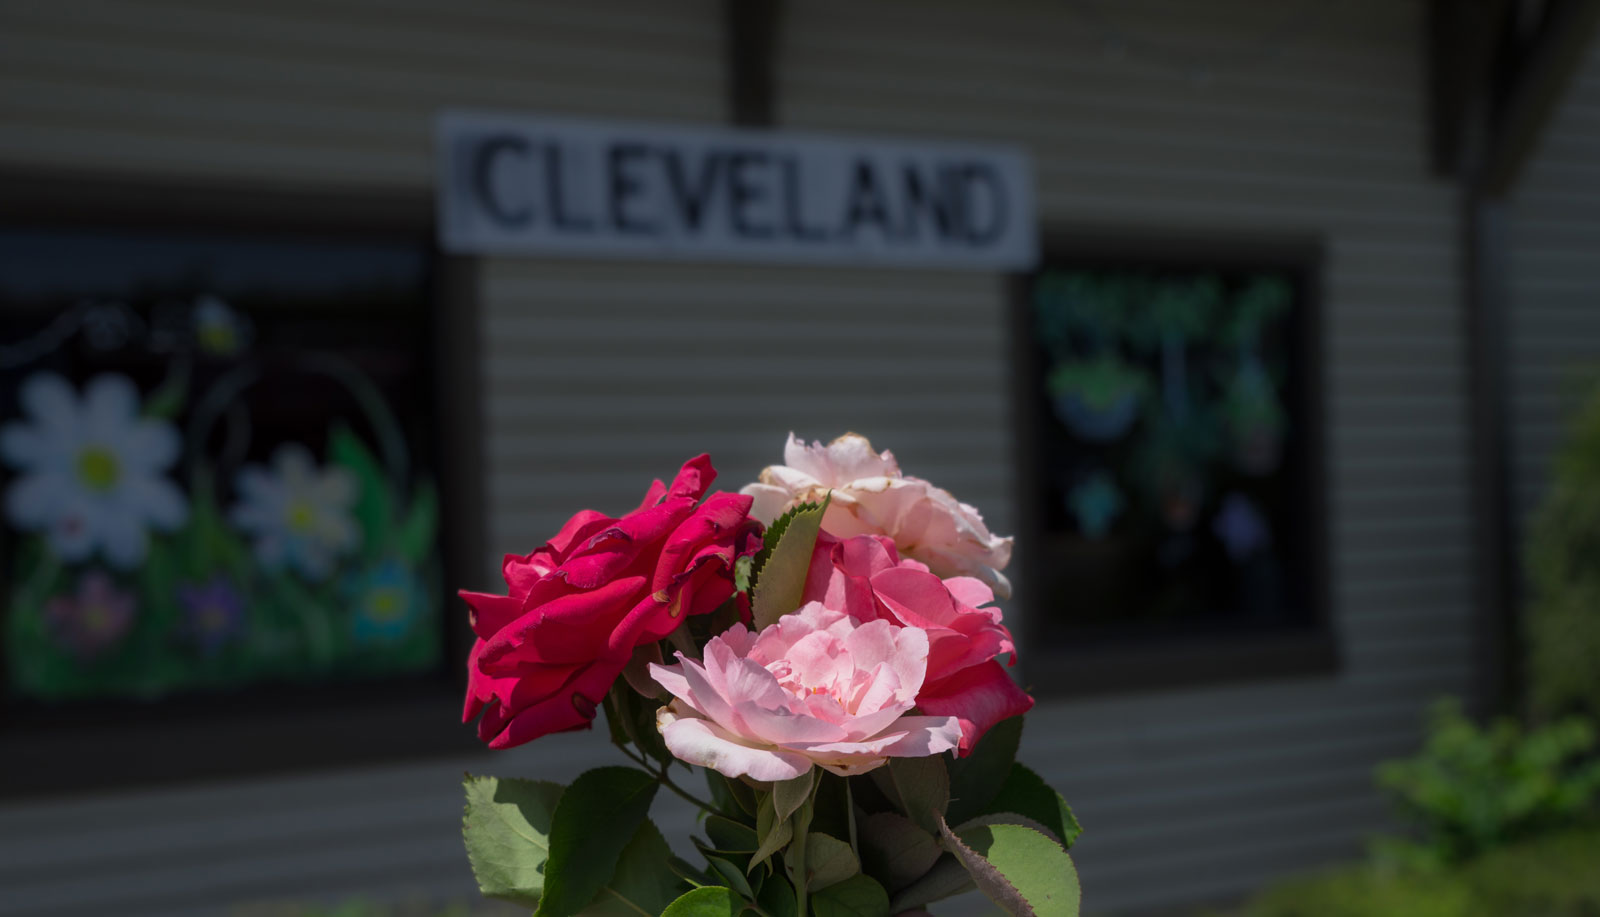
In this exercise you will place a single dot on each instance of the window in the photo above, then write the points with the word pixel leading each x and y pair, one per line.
pixel 1171 459
pixel 223 496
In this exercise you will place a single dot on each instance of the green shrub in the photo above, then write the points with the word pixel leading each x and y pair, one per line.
pixel 1553 876
pixel 1563 567
pixel 1471 790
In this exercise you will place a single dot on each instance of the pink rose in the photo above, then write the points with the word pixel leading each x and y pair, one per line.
pixel 816 687
pixel 866 578
pixel 548 652
pixel 872 497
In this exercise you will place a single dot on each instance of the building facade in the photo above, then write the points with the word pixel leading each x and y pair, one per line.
pixel 1240 118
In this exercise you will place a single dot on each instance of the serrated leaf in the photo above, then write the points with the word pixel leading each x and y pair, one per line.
pixel 895 850
pixel 918 787
pixel 977 778
pixel 730 836
pixel 1024 872
pixel 777 898
pixel 947 878
pixel 857 896
pixel 643 882
pixel 506 828
pixel 775 832
pixel 710 901
pixel 1025 793
pixel 594 822
pixel 789 795
pixel 828 861
pixel 730 873
pixel 781 575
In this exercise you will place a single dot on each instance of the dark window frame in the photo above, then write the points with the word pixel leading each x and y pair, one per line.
pixel 1163 663
pixel 292 728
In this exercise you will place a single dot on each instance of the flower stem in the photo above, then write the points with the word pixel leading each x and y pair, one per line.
pixel 797 846
pixel 663 779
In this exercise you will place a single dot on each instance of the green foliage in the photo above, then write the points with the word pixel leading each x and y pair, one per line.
pixel 594 821
pixel 643 881
pixel 1025 793
pixel 918 787
pixel 1563 567
pixel 1552 876
pixel 977 778
pixel 1471 790
pixel 710 901
pixel 857 896
pixel 1018 868
pixel 507 832
pixel 785 556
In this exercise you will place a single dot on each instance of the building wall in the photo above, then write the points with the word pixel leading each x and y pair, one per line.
pixel 1554 322
pixel 1246 116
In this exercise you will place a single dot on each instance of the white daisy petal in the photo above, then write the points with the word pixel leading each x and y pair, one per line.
pixel 110 407
pixel 149 446
pixel 155 500
pixel 123 538
pixel 34 500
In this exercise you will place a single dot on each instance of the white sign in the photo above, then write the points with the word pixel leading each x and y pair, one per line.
pixel 511 185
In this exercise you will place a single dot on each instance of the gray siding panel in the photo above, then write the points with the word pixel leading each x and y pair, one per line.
pixel 598 376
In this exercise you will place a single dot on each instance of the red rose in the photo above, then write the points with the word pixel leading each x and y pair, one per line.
pixel 548 652
pixel 865 577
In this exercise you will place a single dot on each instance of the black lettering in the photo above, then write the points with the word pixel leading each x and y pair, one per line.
pixel 866 203
pixel 624 184
pixel 483 163
pixel 692 199
pixel 554 190
pixel 794 205
pixel 982 173
pixel 745 192
pixel 924 198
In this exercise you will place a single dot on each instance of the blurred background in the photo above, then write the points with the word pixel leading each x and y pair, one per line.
pixel 1282 375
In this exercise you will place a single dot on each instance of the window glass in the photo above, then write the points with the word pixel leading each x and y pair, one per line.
pixel 214 463
pixel 1170 413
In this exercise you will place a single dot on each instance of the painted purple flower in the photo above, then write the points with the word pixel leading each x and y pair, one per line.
pixel 1240 527
pixel 213 613
pixel 92 620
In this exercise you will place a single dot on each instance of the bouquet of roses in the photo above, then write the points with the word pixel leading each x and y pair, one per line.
pixel 823 646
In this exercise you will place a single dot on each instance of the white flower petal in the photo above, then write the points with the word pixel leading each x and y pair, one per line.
pixel 123 538
pixel 110 407
pixel 51 401
pixel 34 501
pixel 155 500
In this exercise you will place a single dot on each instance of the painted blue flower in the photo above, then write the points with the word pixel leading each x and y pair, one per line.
pixel 1097 503
pixel 388 602
pixel 1240 527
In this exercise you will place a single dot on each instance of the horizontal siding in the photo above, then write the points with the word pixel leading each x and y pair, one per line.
pixel 1216 791
pixel 599 376
pixel 1553 345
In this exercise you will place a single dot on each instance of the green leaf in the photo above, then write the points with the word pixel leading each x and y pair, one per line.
pixel 374 508
pixel 828 861
pixel 734 797
pixel 643 882
pixel 730 836
pixel 788 795
pixel 782 564
pixel 730 873
pixel 919 787
pixel 774 832
pixel 166 402
pixel 595 820
pixel 895 851
pixel 975 779
pixel 1021 870
pixel 857 896
pixel 507 832
pixel 710 901
pixel 1026 794
pixel 777 898
pixel 947 878
pixel 415 539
